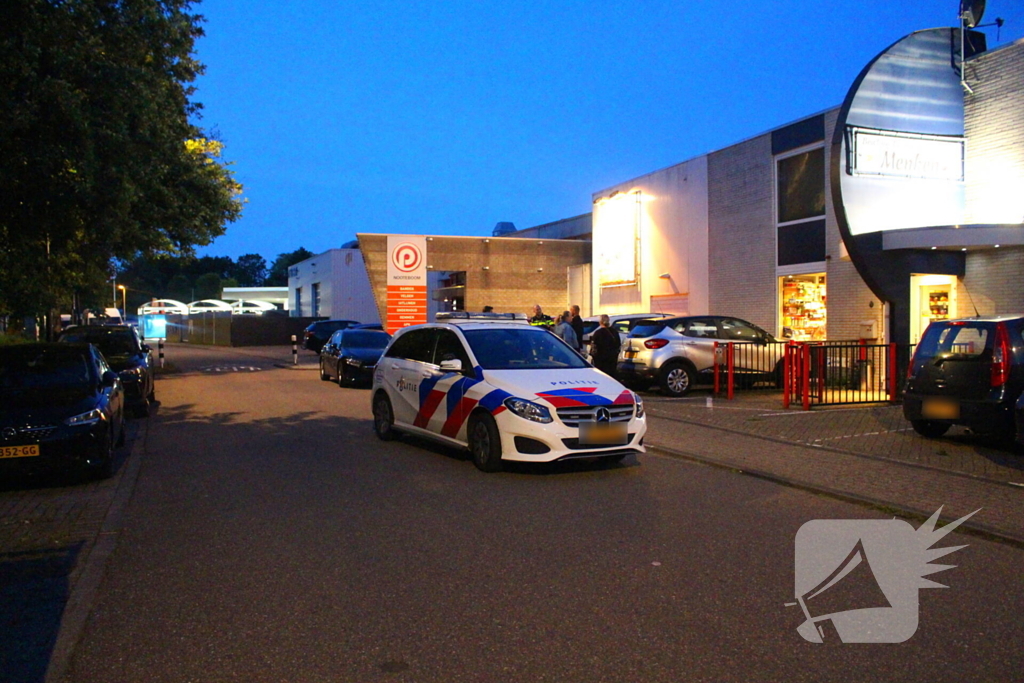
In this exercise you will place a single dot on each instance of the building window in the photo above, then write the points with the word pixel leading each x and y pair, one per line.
pixel 298 301
pixel 316 299
pixel 800 207
pixel 804 304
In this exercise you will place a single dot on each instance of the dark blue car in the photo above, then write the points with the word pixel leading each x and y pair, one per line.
pixel 351 355
pixel 126 354
pixel 61 409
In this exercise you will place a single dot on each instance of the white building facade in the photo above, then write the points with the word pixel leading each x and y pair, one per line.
pixel 333 285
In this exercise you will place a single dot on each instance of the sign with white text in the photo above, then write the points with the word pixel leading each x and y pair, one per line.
pixel 407 282
pixel 906 155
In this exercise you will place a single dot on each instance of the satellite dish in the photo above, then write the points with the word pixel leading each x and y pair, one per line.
pixel 971 11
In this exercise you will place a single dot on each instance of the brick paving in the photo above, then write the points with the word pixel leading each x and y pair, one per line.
pixel 864 453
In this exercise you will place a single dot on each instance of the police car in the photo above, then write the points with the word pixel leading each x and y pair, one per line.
pixel 503 389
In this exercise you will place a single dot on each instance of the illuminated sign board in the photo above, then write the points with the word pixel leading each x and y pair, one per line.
pixel 616 237
pixel 905 155
pixel 407 282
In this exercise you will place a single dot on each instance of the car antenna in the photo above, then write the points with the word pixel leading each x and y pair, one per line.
pixel 976 314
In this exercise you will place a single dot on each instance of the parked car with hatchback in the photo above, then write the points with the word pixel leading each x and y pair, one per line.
pixel 968 372
pixel 61 409
pixel 316 334
pixel 505 391
pixel 127 355
pixel 351 355
pixel 620 323
pixel 679 353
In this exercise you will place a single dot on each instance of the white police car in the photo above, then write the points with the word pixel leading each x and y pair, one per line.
pixel 505 390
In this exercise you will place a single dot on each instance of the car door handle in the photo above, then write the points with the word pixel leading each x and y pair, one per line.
pixel 394 366
pixel 428 373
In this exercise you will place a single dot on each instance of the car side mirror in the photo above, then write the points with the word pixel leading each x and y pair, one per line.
pixel 109 378
pixel 454 365
pixel 145 348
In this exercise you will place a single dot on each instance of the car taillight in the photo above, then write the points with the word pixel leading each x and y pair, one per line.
pixel 655 343
pixel 1001 356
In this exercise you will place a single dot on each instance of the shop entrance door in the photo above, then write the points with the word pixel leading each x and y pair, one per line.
pixel 932 297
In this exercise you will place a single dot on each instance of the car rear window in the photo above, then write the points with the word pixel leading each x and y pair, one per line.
pixel 646 328
pixel 111 342
pixel 955 339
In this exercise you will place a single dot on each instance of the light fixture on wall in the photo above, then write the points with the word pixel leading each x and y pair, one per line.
pixel 540 270
pixel 487 267
pixel 486 241
pixel 665 276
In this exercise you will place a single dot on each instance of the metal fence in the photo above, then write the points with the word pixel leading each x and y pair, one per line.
pixel 814 373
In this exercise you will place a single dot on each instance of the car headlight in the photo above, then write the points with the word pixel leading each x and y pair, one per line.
pixel 528 410
pixel 354 361
pixel 131 374
pixel 639 405
pixel 90 418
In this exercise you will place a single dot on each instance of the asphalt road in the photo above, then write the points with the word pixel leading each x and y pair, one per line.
pixel 272 537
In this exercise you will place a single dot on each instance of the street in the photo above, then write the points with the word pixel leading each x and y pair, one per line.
pixel 271 537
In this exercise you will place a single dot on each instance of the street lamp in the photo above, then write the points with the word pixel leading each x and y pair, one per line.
pixel 124 302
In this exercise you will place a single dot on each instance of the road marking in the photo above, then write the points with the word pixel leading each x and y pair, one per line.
pixel 229 368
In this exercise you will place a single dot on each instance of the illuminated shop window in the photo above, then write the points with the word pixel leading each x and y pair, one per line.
pixel 804 305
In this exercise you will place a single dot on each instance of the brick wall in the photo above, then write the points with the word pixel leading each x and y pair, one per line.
pixel 850 301
pixel 521 272
pixel 994 126
pixel 741 232
pixel 994 171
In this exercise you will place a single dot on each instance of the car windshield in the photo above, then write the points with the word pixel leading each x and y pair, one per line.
pixel 589 326
pixel 526 348
pixel 110 342
pixel 365 339
pixel 34 368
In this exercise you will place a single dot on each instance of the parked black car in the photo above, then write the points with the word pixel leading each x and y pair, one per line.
pixel 967 372
pixel 351 355
pixel 61 409
pixel 126 354
pixel 317 334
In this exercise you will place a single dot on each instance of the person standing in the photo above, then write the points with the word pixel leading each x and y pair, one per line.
pixel 539 319
pixel 577 326
pixel 563 330
pixel 605 347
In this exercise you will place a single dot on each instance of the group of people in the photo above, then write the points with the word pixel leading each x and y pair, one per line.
pixel 604 341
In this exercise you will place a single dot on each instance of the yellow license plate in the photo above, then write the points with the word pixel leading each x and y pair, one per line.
pixel 940 409
pixel 596 434
pixel 630 354
pixel 19 451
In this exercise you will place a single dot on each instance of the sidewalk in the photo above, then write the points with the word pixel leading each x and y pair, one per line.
pixel 863 453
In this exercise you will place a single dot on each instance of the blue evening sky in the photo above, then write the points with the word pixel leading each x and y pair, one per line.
pixel 447 117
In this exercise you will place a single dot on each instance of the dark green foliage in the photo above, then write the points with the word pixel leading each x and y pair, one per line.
pixel 100 158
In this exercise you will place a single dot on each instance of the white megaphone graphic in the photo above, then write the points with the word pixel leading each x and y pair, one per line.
pixel 857 581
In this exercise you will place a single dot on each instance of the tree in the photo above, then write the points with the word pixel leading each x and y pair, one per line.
pixel 278 275
pixel 251 270
pixel 100 155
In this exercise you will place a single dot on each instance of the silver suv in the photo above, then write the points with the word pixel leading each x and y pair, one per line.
pixel 678 353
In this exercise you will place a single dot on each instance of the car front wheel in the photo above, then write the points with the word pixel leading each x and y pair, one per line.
pixel 323 372
pixel 485 443
pixel 383 417
pixel 676 379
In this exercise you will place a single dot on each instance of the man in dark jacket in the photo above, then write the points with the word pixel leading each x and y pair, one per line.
pixel 605 347
pixel 577 325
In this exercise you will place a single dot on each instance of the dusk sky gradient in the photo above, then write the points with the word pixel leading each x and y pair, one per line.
pixel 446 117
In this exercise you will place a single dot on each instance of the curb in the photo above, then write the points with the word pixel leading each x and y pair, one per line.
pixel 969 526
pixel 90 574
